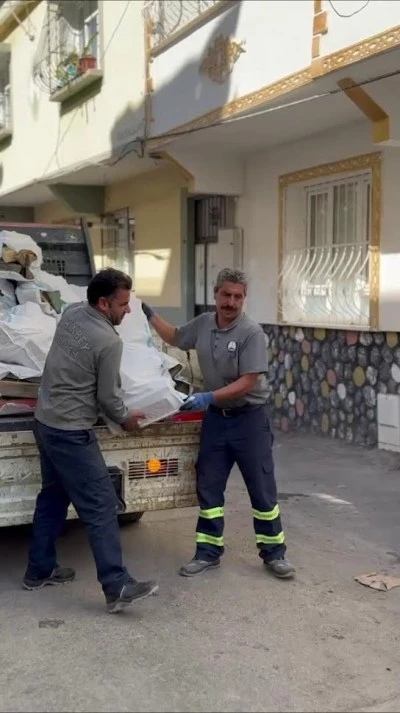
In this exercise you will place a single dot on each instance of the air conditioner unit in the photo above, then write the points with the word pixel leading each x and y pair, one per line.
pixel 389 422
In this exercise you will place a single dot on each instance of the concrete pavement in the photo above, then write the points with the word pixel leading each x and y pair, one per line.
pixel 234 639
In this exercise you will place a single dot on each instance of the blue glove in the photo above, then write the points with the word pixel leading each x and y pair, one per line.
pixel 148 311
pixel 198 402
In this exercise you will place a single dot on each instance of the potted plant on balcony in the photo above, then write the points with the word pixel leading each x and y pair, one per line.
pixel 87 60
pixel 67 69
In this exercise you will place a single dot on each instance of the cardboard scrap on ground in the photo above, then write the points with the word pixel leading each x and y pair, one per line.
pixel 378 580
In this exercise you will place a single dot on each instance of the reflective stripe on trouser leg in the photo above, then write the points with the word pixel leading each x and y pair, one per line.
pixel 210 527
pixel 251 439
pixel 213 466
pixel 267 527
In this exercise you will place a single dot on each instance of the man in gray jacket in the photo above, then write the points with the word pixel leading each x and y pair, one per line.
pixel 81 378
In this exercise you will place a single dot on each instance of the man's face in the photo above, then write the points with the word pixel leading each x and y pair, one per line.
pixel 229 300
pixel 116 306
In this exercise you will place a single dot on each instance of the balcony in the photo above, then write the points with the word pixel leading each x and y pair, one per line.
pixel 167 19
pixel 69 60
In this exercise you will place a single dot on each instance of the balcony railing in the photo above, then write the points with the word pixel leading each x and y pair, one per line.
pixel 326 286
pixel 166 17
pixel 68 57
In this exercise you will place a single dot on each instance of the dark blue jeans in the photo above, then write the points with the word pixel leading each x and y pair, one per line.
pixel 73 470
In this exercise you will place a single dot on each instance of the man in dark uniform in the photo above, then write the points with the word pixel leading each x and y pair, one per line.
pixel 232 357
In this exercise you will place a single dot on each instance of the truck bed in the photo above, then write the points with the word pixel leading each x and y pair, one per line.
pixel 156 465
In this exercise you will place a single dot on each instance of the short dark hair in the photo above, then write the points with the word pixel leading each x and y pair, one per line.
pixel 105 283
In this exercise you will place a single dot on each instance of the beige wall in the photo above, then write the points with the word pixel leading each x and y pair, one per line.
pixel 155 201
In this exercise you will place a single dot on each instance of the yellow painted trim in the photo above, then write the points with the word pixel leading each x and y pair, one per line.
pixel 320 66
pixel 193 25
pixel 354 163
pixel 368 107
pixel 249 101
pixel 316 45
pixel 320 24
pixel 355 53
pixel 18 13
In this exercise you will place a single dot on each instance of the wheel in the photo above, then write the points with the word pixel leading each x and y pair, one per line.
pixel 130 517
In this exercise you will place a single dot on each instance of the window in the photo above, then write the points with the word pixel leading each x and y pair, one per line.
pixel 326 263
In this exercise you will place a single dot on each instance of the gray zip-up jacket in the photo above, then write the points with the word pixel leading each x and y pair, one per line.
pixel 81 376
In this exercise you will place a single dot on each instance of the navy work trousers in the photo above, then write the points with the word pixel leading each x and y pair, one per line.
pixel 73 470
pixel 244 438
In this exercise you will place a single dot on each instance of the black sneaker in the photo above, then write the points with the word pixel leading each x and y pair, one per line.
pixel 61 575
pixel 198 567
pixel 130 592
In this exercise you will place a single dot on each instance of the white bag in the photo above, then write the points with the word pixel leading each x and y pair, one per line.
pixel 146 382
pixel 26 335
pixel 7 295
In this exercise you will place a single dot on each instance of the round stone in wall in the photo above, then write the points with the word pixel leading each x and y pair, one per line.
pixel 289 379
pixel 387 354
pixel 352 354
pixel 304 362
pixel 320 334
pixel 351 338
pixel 366 339
pixel 362 356
pixel 379 338
pixel 382 388
pixel 299 336
pixel 375 356
pixel 292 398
pixel 320 369
pixel 325 423
pixel 372 375
pixel 341 391
pixel 335 350
pixel 288 361
pixel 325 389
pixel 369 394
pixel 391 339
pixel 278 401
pixel 359 376
pixel 395 373
pixel 331 376
pixel 299 407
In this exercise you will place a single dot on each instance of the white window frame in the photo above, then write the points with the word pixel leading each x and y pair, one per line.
pixel 327 280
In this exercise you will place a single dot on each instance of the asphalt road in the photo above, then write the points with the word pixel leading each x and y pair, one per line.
pixel 234 639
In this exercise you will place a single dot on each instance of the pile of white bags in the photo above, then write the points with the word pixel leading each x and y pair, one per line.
pixel 28 322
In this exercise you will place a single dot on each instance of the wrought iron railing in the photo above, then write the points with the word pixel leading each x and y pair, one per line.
pixel 165 17
pixel 326 286
pixel 68 45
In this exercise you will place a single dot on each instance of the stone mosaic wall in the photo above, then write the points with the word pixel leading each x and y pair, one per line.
pixel 327 381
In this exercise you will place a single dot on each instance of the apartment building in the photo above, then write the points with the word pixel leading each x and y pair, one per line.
pixel 200 133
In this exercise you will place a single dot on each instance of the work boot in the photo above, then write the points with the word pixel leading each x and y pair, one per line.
pixel 197 567
pixel 130 592
pixel 281 568
pixel 60 575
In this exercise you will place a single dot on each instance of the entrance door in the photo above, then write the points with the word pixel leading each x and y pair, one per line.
pixel 217 245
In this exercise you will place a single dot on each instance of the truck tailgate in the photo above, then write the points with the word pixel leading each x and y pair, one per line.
pixel 157 464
